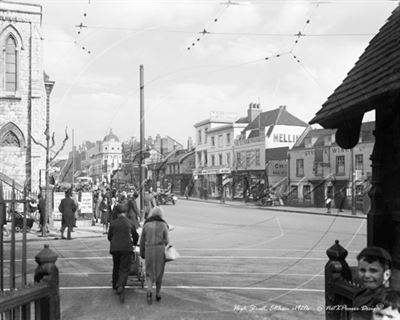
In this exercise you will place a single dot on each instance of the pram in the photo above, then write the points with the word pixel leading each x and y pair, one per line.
pixel 137 269
pixel 19 222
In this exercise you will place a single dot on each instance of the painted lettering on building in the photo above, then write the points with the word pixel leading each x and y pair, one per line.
pixel 338 150
pixel 277 168
pixel 283 137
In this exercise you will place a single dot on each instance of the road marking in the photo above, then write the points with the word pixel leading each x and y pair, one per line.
pixel 203 288
pixel 213 249
pixel 197 257
pixel 201 272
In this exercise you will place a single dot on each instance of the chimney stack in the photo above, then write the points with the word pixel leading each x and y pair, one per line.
pixel 253 111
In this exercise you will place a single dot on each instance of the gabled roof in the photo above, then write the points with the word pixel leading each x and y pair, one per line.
pixel 319 135
pixel 376 75
pixel 278 116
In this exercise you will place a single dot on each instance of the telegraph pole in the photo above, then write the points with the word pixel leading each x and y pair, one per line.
pixel 47 194
pixel 353 182
pixel 73 161
pixel 141 175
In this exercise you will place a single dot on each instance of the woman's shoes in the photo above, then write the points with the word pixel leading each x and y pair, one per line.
pixel 158 297
pixel 149 298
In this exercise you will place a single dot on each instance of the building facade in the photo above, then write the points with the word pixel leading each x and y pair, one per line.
pixel 210 149
pixel 22 94
pixel 261 151
pixel 318 167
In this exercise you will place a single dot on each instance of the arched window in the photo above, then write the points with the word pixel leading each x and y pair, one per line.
pixel 11 65
pixel 10 139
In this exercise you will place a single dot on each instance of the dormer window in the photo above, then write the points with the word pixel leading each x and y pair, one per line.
pixel 307 142
pixel 327 141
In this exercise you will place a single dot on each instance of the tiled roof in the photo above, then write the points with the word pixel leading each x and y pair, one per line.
pixel 242 120
pixel 375 75
pixel 276 153
pixel 277 116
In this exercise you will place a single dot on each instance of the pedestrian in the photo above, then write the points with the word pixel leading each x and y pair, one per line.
pixel 3 219
pixel 42 213
pixel 154 238
pixel 104 208
pixel 122 236
pixel 328 201
pixel 97 206
pixel 186 193
pixel 133 210
pixel 341 198
pixel 387 305
pixel 374 272
pixel 67 207
pixel 149 202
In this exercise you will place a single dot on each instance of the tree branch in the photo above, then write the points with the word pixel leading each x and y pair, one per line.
pixel 38 143
pixel 63 145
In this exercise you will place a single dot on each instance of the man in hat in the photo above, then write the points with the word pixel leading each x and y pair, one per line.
pixel 122 236
pixel 67 207
pixel 374 272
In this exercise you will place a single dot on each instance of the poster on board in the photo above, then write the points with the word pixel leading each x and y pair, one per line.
pixel 86 203
pixel 58 196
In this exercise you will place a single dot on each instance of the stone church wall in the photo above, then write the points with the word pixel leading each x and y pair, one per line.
pixel 22 21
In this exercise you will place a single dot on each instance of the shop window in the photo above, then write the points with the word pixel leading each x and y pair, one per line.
pixel 307 193
pixel 340 170
pixel 360 193
pixel 294 193
pixel 300 168
pixel 359 162
pixel 257 151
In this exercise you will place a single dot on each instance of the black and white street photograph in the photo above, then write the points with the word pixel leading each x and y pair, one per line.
pixel 199 159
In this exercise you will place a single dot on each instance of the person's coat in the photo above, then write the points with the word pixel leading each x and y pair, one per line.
pixel 68 207
pixel 122 234
pixel 133 213
pixel 153 240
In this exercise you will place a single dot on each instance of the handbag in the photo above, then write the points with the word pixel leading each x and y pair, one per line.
pixel 171 253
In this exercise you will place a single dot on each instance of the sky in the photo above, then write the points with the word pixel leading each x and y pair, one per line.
pixel 188 74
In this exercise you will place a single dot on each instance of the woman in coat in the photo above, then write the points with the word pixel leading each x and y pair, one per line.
pixel 133 211
pixel 153 240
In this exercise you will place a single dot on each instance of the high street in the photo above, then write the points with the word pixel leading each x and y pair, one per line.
pixel 237 262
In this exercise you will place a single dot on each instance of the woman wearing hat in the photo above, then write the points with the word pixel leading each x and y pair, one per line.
pixel 153 240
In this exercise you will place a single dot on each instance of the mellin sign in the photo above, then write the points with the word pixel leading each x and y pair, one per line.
pixel 283 137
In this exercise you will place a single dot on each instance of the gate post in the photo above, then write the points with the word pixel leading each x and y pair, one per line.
pixel 335 269
pixel 47 272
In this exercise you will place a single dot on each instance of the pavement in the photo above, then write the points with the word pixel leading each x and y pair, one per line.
pixel 301 210
pixel 87 229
